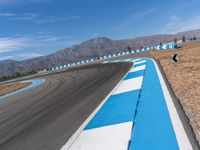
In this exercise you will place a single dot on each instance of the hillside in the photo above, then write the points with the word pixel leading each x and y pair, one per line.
pixel 91 48
pixel 7 61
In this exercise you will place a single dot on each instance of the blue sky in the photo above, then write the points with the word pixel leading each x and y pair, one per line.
pixel 31 28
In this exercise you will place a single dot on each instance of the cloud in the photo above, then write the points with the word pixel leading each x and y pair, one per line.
pixel 8 44
pixel 38 42
pixel 72 42
pixel 2 2
pixel 6 57
pixel 46 38
pixel 21 2
pixel 21 16
pixel 92 34
pixel 28 55
pixel 26 16
pixel 11 44
pixel 51 39
pixel 56 18
pixel 74 17
pixel 128 22
pixel 177 24
pixel 40 1
pixel 21 56
pixel 23 47
pixel 16 47
pixel 3 14
pixel 38 18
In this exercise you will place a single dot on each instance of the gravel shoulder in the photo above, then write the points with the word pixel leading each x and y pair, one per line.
pixel 184 78
pixel 5 89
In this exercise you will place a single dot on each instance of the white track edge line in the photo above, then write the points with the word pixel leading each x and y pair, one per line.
pixel 182 138
pixel 80 129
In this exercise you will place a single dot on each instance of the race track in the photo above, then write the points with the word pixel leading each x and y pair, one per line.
pixel 46 116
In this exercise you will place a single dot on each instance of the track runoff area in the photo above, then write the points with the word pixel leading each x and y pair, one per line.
pixel 139 114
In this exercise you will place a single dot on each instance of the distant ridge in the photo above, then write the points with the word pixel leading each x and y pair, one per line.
pixel 91 48
pixel 7 61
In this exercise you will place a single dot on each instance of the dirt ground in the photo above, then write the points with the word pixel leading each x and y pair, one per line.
pixel 184 78
pixel 12 87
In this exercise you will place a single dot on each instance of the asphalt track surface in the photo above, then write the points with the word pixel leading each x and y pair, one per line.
pixel 46 116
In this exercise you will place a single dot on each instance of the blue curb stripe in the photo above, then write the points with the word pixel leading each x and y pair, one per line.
pixel 35 82
pixel 134 74
pixel 153 128
pixel 118 108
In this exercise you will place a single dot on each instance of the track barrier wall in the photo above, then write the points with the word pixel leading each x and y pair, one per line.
pixel 160 47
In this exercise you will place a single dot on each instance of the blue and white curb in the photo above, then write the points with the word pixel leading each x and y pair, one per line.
pixel 163 47
pixel 138 114
pixel 34 83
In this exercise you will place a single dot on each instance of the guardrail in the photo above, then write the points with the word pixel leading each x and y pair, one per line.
pixel 160 47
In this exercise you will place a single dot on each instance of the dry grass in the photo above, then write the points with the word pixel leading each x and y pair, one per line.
pixel 184 78
pixel 12 87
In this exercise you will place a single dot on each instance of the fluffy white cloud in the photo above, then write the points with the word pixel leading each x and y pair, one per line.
pixel 36 42
pixel 10 44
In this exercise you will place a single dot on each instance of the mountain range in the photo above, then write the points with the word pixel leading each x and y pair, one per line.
pixel 92 48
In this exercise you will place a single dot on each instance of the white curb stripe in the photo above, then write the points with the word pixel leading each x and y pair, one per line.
pixel 139 62
pixel 116 61
pixel 127 60
pixel 129 85
pixel 139 68
pixel 114 137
